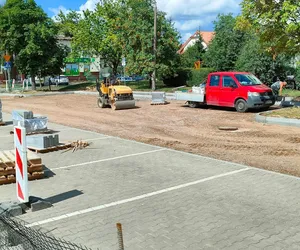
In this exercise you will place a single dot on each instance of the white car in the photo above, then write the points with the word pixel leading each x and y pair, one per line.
pixel 59 80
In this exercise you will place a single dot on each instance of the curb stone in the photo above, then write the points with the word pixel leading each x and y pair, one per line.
pixel 276 120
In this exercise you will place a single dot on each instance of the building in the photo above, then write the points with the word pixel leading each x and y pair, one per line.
pixel 207 37
pixel 78 68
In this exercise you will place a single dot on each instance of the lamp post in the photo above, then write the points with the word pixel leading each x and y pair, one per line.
pixel 154 47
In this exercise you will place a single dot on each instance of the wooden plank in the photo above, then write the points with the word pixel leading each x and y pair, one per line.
pixel 36 175
pixel 4 158
pixel 35 168
pixel 5 161
pixel 51 149
pixel 10 154
pixel 7 172
pixel 33 158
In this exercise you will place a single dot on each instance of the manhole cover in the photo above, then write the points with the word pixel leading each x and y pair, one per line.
pixel 228 128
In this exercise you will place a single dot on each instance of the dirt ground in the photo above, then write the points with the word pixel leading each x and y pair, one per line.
pixel 179 127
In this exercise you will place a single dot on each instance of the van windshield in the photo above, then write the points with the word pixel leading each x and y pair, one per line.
pixel 248 79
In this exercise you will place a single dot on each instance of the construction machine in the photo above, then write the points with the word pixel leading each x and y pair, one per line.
pixel 115 95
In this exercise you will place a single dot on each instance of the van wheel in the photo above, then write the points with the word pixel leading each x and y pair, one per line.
pixel 241 106
pixel 193 104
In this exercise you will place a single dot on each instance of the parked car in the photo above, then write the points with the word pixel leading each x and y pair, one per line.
pixel 241 90
pixel 59 80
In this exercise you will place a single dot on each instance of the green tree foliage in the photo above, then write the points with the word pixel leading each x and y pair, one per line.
pixel 256 60
pixel 193 53
pixel 124 28
pixel 226 45
pixel 27 33
pixel 277 22
pixel 138 39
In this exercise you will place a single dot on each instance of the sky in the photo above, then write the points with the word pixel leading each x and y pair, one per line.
pixel 188 15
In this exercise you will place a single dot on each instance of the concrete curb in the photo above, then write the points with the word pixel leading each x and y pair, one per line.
pixel 38 94
pixel 276 120
pixel 137 94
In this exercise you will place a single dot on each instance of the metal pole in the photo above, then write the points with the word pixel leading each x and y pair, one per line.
pixel 8 77
pixel 120 236
pixel 154 47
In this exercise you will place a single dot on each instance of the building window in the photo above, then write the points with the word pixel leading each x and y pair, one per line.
pixel 72 69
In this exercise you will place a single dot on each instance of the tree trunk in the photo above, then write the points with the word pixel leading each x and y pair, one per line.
pixel 150 80
pixel 33 86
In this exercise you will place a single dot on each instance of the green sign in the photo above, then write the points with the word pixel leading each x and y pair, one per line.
pixel 79 60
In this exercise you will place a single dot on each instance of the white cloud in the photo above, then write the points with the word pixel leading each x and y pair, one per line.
pixel 189 15
pixel 89 5
pixel 56 11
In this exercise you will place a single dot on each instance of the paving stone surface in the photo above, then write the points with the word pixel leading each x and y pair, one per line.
pixel 164 199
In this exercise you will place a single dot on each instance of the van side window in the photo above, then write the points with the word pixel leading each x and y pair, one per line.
pixel 214 80
pixel 227 81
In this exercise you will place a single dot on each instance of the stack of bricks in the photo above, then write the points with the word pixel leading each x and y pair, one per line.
pixel 7 167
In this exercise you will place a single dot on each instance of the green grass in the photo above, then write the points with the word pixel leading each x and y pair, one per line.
pixel 291 93
pixel 293 113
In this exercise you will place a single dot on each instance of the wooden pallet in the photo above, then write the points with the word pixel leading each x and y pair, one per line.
pixel 7 167
pixel 51 149
pixel 44 131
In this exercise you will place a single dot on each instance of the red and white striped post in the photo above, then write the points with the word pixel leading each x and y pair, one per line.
pixel 21 164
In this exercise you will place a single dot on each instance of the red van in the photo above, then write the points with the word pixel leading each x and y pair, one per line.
pixel 241 90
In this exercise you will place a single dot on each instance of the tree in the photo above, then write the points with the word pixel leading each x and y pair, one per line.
pixel 224 49
pixel 277 23
pixel 255 59
pixel 27 33
pixel 193 53
pixel 124 28
pixel 138 40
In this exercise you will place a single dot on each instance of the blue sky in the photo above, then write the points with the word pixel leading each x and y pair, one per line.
pixel 188 15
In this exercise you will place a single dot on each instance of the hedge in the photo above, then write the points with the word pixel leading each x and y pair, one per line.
pixel 188 76
pixel 198 76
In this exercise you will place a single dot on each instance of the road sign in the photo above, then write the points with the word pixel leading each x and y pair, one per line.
pixel 7 57
pixel 123 62
pixel 7 64
pixel 21 163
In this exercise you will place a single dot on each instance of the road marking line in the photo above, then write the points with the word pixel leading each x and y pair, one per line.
pixel 140 197
pixel 100 138
pixel 108 159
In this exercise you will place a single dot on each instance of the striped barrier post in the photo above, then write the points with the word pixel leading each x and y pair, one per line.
pixel 21 164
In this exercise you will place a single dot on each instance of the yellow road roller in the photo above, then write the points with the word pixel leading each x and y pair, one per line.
pixel 115 95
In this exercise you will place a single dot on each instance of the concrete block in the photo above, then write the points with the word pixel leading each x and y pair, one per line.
pixel 158 97
pixel 11 208
pixel 25 114
pixel 56 139
pixel 37 203
pixel 39 141
pixel 42 141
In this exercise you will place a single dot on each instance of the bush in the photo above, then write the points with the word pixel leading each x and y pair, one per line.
pixel 179 79
pixel 198 76
pixel 297 74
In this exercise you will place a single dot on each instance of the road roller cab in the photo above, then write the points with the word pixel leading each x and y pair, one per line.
pixel 112 94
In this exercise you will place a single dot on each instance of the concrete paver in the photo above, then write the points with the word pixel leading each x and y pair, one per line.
pixel 184 201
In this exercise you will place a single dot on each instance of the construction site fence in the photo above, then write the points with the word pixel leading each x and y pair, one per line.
pixel 15 235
